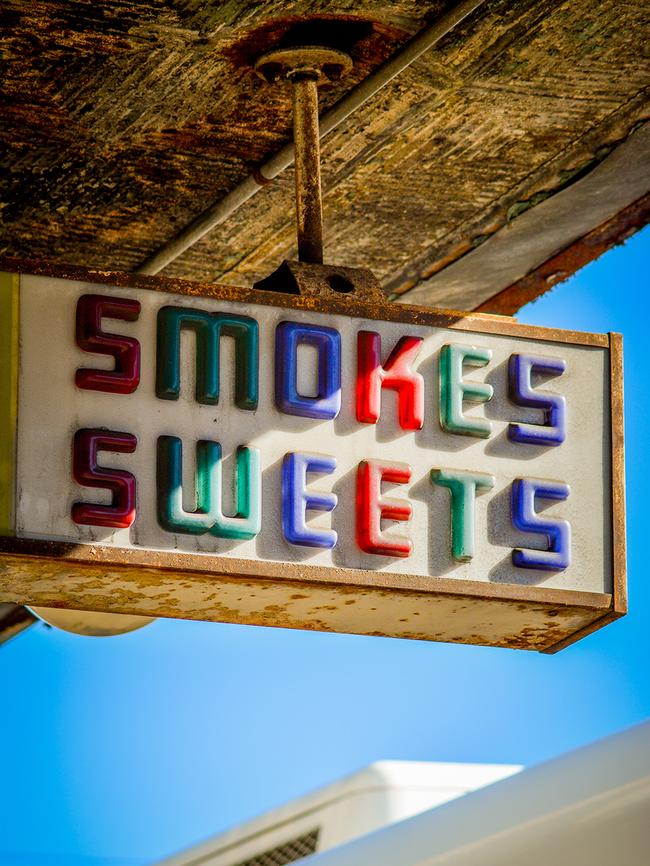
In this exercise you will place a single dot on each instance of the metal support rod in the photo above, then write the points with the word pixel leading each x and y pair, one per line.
pixel 220 210
pixel 309 205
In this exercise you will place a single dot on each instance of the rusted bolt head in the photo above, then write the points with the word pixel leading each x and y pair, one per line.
pixel 304 61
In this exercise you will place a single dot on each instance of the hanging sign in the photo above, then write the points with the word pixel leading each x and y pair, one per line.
pixel 325 464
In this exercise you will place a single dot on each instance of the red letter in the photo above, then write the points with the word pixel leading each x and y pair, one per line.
pixel 121 512
pixel 125 376
pixel 372 508
pixel 395 374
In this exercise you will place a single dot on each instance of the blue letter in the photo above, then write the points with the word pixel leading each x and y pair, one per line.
pixel 520 371
pixel 296 501
pixel 327 341
pixel 557 556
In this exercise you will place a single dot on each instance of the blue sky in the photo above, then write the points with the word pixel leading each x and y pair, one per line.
pixel 119 751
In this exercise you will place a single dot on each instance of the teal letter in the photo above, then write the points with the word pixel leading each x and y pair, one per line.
pixel 463 487
pixel 453 390
pixel 208 328
pixel 169 482
pixel 247 522
pixel 208 515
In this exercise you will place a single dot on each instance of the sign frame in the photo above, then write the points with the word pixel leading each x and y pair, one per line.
pixel 210 587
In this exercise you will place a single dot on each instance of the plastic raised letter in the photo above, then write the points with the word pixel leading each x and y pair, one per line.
pixel 296 501
pixel 209 328
pixel 327 341
pixel 463 487
pixel 169 484
pixel 208 515
pixel 125 376
pixel 120 514
pixel 372 508
pixel 557 556
pixel 520 371
pixel 395 374
pixel 453 390
pixel 247 520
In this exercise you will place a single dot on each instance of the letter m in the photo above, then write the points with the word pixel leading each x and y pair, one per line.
pixel 208 329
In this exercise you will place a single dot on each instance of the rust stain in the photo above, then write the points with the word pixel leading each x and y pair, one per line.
pixel 140 589
pixel 366 40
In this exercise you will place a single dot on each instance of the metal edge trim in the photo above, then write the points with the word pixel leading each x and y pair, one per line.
pixel 213 568
pixel 568 261
pixel 594 626
pixel 619 587
pixel 337 304
pixel 619 578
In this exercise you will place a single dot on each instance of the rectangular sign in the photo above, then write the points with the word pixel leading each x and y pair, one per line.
pixel 325 464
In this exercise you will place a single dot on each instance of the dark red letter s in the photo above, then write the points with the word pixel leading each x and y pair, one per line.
pixel 121 512
pixel 125 377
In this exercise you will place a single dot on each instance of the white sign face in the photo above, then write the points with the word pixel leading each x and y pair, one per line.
pixel 277 435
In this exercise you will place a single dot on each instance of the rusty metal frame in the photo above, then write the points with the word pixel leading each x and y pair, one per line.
pixel 83 564
pixel 205 586
pixel 336 303
pixel 569 260
pixel 619 580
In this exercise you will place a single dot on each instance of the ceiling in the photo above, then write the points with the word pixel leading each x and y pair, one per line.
pixel 122 121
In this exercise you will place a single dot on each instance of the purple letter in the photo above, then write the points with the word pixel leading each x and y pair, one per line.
pixel 557 533
pixel 520 371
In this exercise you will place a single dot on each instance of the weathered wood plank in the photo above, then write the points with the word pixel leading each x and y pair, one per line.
pixel 121 122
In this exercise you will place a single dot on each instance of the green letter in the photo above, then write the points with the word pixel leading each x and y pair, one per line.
pixel 453 390
pixel 208 515
pixel 463 487
pixel 208 328
pixel 247 521
pixel 171 514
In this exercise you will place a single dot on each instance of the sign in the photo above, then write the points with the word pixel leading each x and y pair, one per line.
pixel 323 463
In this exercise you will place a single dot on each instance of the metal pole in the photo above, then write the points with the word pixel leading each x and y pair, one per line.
pixel 220 210
pixel 309 205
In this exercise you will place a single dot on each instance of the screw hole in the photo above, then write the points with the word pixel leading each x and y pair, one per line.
pixel 340 284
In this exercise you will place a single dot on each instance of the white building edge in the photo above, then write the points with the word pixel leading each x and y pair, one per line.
pixel 588 808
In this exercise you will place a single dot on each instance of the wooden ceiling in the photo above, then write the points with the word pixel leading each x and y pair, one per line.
pixel 123 120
